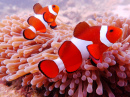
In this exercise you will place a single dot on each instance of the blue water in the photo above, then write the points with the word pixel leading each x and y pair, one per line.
pixel 79 8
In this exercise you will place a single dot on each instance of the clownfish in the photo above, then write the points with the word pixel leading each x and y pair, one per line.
pixel 43 17
pixel 87 42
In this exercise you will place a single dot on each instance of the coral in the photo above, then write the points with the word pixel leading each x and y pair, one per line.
pixel 19 58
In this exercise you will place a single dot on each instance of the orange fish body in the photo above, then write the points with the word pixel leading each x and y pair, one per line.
pixel 43 17
pixel 88 42
pixel 103 37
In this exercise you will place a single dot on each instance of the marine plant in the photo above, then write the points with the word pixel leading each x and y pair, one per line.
pixel 19 59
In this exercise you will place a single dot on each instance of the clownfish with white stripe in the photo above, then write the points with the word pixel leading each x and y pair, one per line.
pixel 87 42
pixel 43 17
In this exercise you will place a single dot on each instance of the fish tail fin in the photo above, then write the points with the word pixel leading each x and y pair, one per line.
pixel 49 68
pixel 29 34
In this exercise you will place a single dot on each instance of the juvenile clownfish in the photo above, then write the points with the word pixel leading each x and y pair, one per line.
pixel 43 17
pixel 87 42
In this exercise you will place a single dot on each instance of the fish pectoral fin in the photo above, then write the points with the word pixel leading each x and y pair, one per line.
pixel 47 17
pixel 50 20
pixel 94 51
pixel 37 7
pixel 80 28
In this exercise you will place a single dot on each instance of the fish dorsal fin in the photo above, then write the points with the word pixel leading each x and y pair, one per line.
pixel 81 27
pixel 37 7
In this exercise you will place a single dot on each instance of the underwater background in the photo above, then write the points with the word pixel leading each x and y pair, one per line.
pixel 71 13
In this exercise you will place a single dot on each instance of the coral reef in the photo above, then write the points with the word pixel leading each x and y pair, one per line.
pixel 19 59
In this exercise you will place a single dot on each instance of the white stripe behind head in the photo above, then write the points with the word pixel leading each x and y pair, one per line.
pixel 103 38
pixel 51 10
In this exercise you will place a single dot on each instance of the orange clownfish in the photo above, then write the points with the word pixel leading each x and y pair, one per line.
pixel 43 17
pixel 87 42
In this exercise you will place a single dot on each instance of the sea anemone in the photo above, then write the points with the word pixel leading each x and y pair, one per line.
pixel 20 57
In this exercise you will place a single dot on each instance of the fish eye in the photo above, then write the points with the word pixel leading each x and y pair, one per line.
pixel 53 6
pixel 111 30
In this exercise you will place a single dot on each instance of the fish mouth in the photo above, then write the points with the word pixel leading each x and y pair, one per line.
pixel 120 33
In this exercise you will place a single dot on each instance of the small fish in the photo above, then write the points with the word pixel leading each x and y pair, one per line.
pixel 43 17
pixel 87 42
